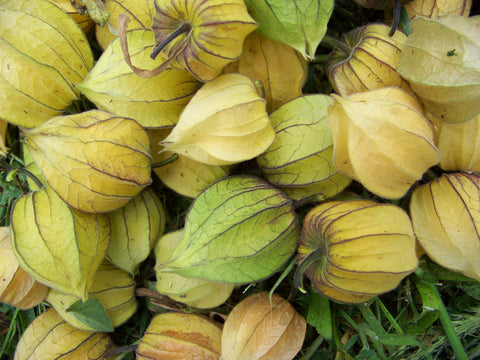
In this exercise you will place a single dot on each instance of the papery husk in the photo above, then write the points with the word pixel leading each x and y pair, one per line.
pixel 135 229
pixel 49 337
pixel 446 217
pixel 140 12
pixel 95 161
pixel 371 63
pixel 3 137
pixel 382 139
pixel 281 70
pixel 233 225
pixel 176 336
pixel 459 144
pixel 17 287
pixel 197 293
pixel 185 176
pixel 113 287
pixel 36 39
pixel 58 246
pixel 30 166
pixel 440 62
pixel 353 251
pixel 435 8
pixel 154 102
pixel 260 328
pixel 214 38
pixel 224 123
pixel 300 159
pixel 78 13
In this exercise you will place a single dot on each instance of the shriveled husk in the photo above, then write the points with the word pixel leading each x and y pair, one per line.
pixel 95 161
pixel 49 337
pixel 185 176
pixel 140 12
pixel 281 70
pixel 224 123
pixel 180 336
pixel 354 250
pixel 78 13
pixel 300 159
pixel 60 247
pixel 135 229
pixel 446 216
pixel 17 287
pixel 371 63
pixel 382 139
pixel 213 38
pixel 260 328
pixel 113 287
pixel 197 293
pixel 154 102
pixel 38 40
pixel 459 144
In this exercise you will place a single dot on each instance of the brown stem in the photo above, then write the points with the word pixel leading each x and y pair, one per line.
pixel 396 17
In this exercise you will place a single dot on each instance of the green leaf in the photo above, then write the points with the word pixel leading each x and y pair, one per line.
pixel 300 24
pixel 92 313
pixel 319 315
pixel 96 10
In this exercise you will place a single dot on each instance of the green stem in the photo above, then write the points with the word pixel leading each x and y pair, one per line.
pixel 389 316
pixel 165 162
pixel 11 330
pixel 448 327
pixel 283 276
pixel 337 44
pixel 313 348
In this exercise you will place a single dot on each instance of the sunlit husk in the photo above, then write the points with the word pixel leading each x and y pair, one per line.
pixel 300 159
pixel 435 8
pixel 49 337
pixel 114 288
pixel 154 102
pixel 38 40
pixel 140 12
pixel 185 176
pixel 382 139
pixel 459 144
pixel 281 70
pixel 17 287
pixel 372 62
pixel 78 13
pixel 355 250
pixel 135 228
pixel 194 292
pixel 226 233
pixel 446 216
pixel 260 328
pixel 218 30
pixel 95 161
pixel 60 247
pixel 445 73
pixel 224 123
pixel 174 336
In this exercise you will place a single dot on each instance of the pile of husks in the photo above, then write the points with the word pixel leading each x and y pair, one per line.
pixel 207 95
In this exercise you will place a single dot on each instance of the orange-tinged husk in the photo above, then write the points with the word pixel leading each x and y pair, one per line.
pixel 459 144
pixel 281 70
pixel 260 328
pixel 95 161
pixel 78 13
pixel 355 250
pixel 446 217
pixel 382 139
pixel 17 287
pixel 174 336
pixel 3 136
pixel 49 337
pixel 371 63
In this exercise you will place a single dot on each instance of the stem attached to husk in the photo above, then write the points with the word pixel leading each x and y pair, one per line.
pixel 337 44
pixel 167 161
pixel 396 17
pixel 302 267
pixel 185 27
